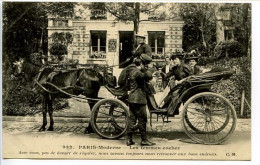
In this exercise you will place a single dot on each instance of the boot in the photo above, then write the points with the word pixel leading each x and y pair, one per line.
pixel 145 141
pixel 130 139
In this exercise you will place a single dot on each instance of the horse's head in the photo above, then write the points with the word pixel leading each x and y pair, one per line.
pixel 19 66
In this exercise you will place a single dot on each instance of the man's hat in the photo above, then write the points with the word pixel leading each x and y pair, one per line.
pixel 140 35
pixel 145 58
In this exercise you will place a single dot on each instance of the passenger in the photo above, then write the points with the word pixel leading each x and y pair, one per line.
pixel 139 76
pixel 178 69
pixel 176 75
pixel 192 61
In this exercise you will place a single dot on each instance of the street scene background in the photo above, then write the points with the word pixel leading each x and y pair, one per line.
pixel 26 36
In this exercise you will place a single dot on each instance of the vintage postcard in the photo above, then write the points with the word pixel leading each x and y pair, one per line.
pixel 126 80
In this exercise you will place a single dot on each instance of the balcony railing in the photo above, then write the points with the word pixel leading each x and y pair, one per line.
pixel 60 23
pixel 97 14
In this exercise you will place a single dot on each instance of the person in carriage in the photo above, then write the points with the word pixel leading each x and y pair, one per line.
pixel 191 60
pixel 178 71
pixel 176 75
pixel 139 76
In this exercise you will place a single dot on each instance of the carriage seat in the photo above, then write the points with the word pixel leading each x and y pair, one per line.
pixel 116 91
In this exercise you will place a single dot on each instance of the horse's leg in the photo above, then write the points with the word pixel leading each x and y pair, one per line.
pixel 44 112
pixel 50 109
pixel 89 129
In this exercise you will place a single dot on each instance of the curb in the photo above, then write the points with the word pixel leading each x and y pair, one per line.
pixel 39 119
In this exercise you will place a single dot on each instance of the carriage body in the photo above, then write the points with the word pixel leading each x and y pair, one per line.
pixel 206 117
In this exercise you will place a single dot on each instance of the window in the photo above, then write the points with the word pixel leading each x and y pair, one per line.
pixel 157 41
pixel 98 44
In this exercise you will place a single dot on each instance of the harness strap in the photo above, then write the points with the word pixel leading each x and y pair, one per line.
pixel 83 70
pixel 71 95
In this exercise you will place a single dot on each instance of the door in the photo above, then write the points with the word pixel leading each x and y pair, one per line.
pixel 126 41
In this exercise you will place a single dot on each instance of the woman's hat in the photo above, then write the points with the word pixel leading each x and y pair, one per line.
pixel 177 55
pixel 192 56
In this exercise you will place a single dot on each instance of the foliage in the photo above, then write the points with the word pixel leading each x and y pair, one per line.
pixel 58 49
pixel 199 24
pixel 61 38
pixel 24 29
pixel 59 43
pixel 25 35
pixel 19 99
pixel 125 12
pixel 232 47
pixel 58 9
pixel 241 80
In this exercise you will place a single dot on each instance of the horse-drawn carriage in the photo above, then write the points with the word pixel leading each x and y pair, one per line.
pixel 206 117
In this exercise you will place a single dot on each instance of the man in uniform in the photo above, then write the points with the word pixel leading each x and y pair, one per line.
pixel 139 76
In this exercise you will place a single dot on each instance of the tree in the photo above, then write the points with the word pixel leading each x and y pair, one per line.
pixel 25 27
pixel 199 24
pixel 241 19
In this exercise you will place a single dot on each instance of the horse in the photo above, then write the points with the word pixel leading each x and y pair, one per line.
pixel 76 81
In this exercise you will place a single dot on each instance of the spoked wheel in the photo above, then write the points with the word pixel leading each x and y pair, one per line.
pixel 109 118
pixel 208 118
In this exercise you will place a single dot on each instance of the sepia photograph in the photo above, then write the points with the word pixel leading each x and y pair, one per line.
pixel 126 80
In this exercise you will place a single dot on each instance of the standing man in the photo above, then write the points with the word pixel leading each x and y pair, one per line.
pixel 142 47
pixel 139 76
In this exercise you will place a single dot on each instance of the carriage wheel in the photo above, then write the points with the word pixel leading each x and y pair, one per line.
pixel 109 118
pixel 208 118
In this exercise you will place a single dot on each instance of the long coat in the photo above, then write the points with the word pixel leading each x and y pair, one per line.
pixel 138 79
pixel 180 72
pixel 144 48
pixel 123 80
pixel 196 70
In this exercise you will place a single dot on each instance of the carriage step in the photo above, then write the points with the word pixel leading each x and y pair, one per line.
pixel 158 111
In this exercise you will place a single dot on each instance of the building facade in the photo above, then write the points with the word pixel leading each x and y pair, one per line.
pixel 97 38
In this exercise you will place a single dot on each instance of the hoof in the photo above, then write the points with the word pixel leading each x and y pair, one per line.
pixel 50 129
pixel 89 130
pixel 42 129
